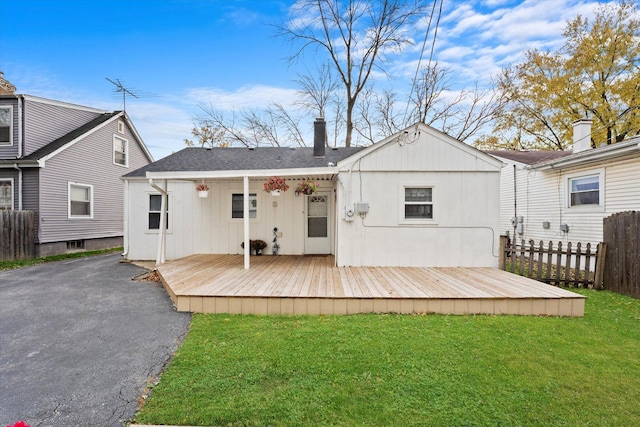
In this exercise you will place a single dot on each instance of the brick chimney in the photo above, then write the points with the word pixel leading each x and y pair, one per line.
pixel 319 136
pixel 6 88
pixel 582 135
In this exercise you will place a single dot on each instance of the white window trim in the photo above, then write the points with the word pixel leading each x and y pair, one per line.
pixel 10 143
pixel 13 189
pixel 258 194
pixel 126 151
pixel 601 189
pixel 417 221
pixel 169 229
pixel 91 207
pixel 120 126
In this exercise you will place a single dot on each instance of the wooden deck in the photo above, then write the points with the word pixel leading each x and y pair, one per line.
pixel 283 285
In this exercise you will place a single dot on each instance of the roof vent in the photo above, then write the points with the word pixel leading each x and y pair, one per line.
pixel 251 148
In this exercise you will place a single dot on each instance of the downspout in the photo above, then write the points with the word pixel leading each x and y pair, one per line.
pixel 16 167
pixel 20 151
pixel 515 204
pixel 162 235
pixel 20 125
pixel 126 219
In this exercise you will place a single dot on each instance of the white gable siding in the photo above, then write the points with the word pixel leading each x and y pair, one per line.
pixel 465 227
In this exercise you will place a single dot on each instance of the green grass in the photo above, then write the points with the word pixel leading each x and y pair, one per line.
pixel 10 265
pixel 401 370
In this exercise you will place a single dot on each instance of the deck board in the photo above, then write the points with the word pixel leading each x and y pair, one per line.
pixel 308 284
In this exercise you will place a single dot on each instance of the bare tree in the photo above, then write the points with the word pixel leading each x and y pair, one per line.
pixel 207 136
pixel 357 35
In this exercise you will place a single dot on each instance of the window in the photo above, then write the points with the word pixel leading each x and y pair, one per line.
pixel 155 209
pixel 585 190
pixel 119 151
pixel 418 203
pixel 237 205
pixel 120 126
pixel 6 125
pixel 80 201
pixel 6 195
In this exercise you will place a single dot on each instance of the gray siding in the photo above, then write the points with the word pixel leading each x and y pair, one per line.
pixel 30 191
pixel 45 123
pixel 89 162
pixel 11 152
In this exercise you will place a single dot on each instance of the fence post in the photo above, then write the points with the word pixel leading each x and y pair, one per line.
pixel 501 252
pixel 600 259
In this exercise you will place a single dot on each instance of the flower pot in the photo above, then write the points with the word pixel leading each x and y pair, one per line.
pixel 275 192
pixel 203 194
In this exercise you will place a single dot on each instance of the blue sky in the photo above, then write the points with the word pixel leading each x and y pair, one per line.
pixel 180 54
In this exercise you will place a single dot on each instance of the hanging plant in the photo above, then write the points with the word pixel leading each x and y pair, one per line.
pixel 307 187
pixel 275 185
pixel 202 187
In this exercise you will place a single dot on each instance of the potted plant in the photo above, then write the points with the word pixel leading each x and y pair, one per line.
pixel 202 189
pixel 275 185
pixel 256 245
pixel 307 187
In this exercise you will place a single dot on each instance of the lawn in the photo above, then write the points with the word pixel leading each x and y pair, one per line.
pixel 10 265
pixel 402 370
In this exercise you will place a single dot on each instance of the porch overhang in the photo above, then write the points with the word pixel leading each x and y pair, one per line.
pixel 323 173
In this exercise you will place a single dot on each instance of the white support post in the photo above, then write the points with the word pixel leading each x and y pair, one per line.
pixel 245 215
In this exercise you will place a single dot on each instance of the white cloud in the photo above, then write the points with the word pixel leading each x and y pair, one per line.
pixel 257 96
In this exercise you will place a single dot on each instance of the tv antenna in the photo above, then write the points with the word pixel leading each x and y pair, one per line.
pixel 120 88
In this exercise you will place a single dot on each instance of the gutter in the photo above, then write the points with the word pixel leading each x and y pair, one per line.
pixel 584 157
pixel 162 235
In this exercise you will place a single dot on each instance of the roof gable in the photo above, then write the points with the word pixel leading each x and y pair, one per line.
pixel 422 148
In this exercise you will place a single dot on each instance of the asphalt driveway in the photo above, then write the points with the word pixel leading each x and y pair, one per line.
pixel 79 340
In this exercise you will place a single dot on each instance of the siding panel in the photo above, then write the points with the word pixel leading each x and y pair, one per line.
pixel 90 162
pixel 46 122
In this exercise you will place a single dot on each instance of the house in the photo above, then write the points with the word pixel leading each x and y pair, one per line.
pixel 417 198
pixel 564 196
pixel 64 162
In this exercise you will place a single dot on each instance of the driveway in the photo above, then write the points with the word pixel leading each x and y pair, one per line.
pixel 79 340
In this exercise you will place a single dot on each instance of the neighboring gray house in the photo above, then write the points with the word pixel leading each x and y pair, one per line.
pixel 64 162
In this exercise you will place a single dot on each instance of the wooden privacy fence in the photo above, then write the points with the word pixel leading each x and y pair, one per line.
pixel 621 233
pixel 16 235
pixel 568 266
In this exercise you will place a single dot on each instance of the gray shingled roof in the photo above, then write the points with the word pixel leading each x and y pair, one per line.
pixel 225 159
pixel 528 157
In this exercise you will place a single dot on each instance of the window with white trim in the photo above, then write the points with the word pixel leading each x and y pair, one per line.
pixel 6 194
pixel 418 203
pixel 155 210
pixel 120 126
pixel 80 200
pixel 120 146
pixel 6 125
pixel 237 205
pixel 585 190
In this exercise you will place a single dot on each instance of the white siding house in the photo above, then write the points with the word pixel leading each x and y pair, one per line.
pixel 565 196
pixel 417 198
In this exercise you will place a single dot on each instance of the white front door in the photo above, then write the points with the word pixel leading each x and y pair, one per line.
pixel 317 226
